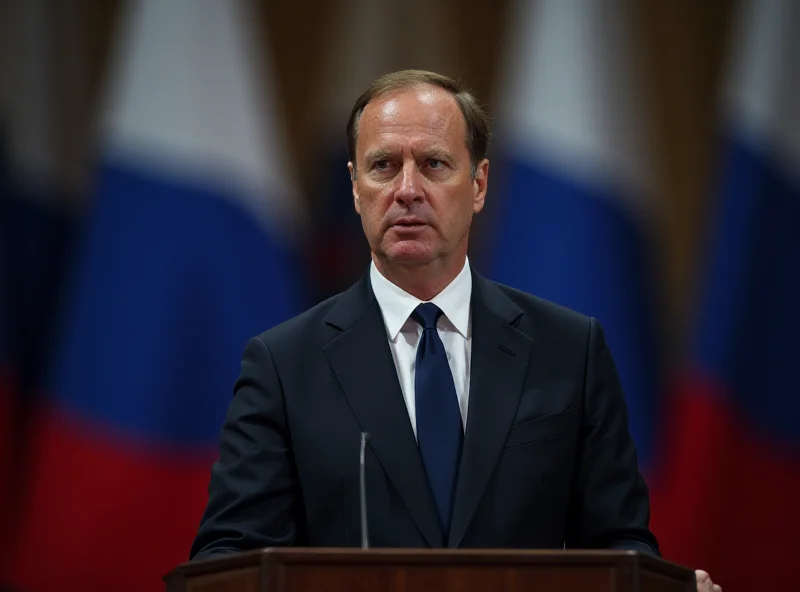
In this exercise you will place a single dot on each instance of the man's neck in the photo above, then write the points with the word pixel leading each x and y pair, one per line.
pixel 421 281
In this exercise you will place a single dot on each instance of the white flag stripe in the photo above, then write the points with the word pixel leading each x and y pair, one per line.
pixel 189 100
pixel 571 100
pixel 761 94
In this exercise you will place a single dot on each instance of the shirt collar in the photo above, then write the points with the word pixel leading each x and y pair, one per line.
pixel 397 304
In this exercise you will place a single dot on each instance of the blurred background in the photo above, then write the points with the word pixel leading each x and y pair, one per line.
pixel 173 181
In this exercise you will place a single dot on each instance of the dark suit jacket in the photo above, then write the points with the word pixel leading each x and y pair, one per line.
pixel 548 460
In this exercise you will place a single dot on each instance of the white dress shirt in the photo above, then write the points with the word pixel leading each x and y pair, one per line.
pixel 403 332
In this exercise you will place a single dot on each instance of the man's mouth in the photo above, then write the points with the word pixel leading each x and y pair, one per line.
pixel 408 222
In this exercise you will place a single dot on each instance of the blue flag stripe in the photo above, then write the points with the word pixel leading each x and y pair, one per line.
pixel 749 324
pixel 174 278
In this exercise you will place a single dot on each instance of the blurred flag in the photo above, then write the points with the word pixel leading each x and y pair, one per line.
pixel 576 218
pixel 732 488
pixel 7 398
pixel 365 44
pixel 35 226
pixel 8 393
pixel 186 255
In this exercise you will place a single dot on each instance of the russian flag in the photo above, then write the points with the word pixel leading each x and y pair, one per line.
pixel 8 392
pixel 576 218
pixel 732 498
pixel 35 225
pixel 187 253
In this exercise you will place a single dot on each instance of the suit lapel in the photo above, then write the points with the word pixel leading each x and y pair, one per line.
pixel 500 358
pixel 363 365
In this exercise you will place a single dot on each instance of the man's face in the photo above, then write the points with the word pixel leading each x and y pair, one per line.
pixel 413 186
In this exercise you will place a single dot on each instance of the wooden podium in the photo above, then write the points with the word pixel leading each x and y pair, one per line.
pixel 437 570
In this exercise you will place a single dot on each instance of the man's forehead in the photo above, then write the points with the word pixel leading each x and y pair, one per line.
pixel 422 109
pixel 425 104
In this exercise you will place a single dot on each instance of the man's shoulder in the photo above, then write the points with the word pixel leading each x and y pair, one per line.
pixel 301 327
pixel 544 315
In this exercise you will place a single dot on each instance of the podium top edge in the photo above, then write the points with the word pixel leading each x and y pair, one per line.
pixel 326 555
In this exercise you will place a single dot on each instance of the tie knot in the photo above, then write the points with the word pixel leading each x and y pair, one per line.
pixel 427 314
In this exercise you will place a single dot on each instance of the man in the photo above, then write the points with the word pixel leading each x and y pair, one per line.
pixel 496 419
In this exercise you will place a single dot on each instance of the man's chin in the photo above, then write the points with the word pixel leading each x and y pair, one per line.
pixel 409 253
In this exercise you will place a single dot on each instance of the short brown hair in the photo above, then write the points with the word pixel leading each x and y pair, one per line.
pixel 475 118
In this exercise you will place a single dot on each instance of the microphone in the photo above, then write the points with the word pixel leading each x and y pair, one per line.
pixel 362 474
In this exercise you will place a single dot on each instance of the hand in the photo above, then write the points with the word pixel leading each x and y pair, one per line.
pixel 704 583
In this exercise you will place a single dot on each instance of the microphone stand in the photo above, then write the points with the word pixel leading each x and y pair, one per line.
pixel 363 491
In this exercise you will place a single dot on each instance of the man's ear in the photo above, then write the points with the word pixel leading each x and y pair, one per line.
pixel 481 184
pixel 351 167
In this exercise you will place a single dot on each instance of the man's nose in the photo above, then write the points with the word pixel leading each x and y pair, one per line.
pixel 409 187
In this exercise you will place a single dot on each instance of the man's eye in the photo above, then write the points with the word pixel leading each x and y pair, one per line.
pixel 435 163
pixel 381 165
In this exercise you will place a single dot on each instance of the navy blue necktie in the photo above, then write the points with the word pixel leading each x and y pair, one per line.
pixel 439 428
